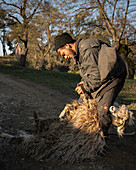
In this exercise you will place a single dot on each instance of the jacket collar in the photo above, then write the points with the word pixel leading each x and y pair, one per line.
pixel 77 50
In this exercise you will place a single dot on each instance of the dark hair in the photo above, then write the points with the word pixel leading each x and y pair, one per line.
pixel 61 40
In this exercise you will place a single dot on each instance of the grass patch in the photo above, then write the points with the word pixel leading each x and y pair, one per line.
pixel 54 79
pixel 67 82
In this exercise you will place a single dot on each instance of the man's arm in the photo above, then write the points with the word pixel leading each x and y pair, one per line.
pixel 89 70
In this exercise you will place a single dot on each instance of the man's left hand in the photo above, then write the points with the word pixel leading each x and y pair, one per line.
pixel 79 90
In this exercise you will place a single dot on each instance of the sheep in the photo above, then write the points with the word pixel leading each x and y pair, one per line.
pixel 78 137
pixel 121 117
pixel 73 136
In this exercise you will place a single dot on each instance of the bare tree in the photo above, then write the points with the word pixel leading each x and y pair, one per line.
pixel 114 18
pixel 22 12
pixel 111 23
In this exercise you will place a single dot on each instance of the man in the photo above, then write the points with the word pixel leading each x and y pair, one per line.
pixel 86 53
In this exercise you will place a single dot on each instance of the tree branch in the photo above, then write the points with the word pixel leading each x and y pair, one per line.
pixel 15 18
pixel 93 25
pixel 10 4
pixel 107 22
pixel 34 11
pixel 114 11
pixel 103 3
pixel 125 20
pixel 20 38
pixel 22 10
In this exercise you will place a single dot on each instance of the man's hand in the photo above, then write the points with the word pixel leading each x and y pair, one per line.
pixel 78 89
pixel 82 82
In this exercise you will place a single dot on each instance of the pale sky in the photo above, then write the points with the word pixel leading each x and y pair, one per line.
pixel 1 53
pixel 1 50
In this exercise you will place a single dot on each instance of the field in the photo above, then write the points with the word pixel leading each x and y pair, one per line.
pixel 63 81
pixel 24 91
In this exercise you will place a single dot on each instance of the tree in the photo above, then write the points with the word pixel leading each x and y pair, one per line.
pixel 49 20
pixel 5 23
pixel 112 16
pixel 110 19
pixel 119 26
pixel 22 12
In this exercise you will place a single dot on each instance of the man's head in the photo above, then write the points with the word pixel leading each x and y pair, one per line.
pixel 65 45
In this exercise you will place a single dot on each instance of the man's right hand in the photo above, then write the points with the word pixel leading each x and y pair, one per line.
pixel 82 82
pixel 78 89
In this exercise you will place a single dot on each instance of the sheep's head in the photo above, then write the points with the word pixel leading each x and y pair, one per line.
pixel 121 117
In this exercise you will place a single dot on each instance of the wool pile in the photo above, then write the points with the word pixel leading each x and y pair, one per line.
pixel 78 137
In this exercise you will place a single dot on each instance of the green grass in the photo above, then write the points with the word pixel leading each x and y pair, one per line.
pixel 128 94
pixel 54 79
pixel 67 81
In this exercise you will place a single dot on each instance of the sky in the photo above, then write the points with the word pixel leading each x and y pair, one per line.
pixel 1 50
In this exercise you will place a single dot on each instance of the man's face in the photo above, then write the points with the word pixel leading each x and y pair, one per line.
pixel 66 52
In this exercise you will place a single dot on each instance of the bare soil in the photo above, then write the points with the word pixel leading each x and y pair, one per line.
pixel 20 98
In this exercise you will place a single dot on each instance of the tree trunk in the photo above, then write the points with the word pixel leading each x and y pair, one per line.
pixel 22 61
pixel 125 51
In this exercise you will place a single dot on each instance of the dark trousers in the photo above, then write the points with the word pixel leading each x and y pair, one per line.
pixel 105 102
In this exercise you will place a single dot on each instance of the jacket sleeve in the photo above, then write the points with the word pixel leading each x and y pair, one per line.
pixel 89 70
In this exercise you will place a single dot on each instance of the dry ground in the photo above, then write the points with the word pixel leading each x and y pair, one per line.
pixel 20 98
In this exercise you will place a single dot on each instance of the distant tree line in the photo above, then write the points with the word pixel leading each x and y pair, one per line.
pixel 34 23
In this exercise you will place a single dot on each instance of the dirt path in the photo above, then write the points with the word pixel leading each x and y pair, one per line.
pixel 20 98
